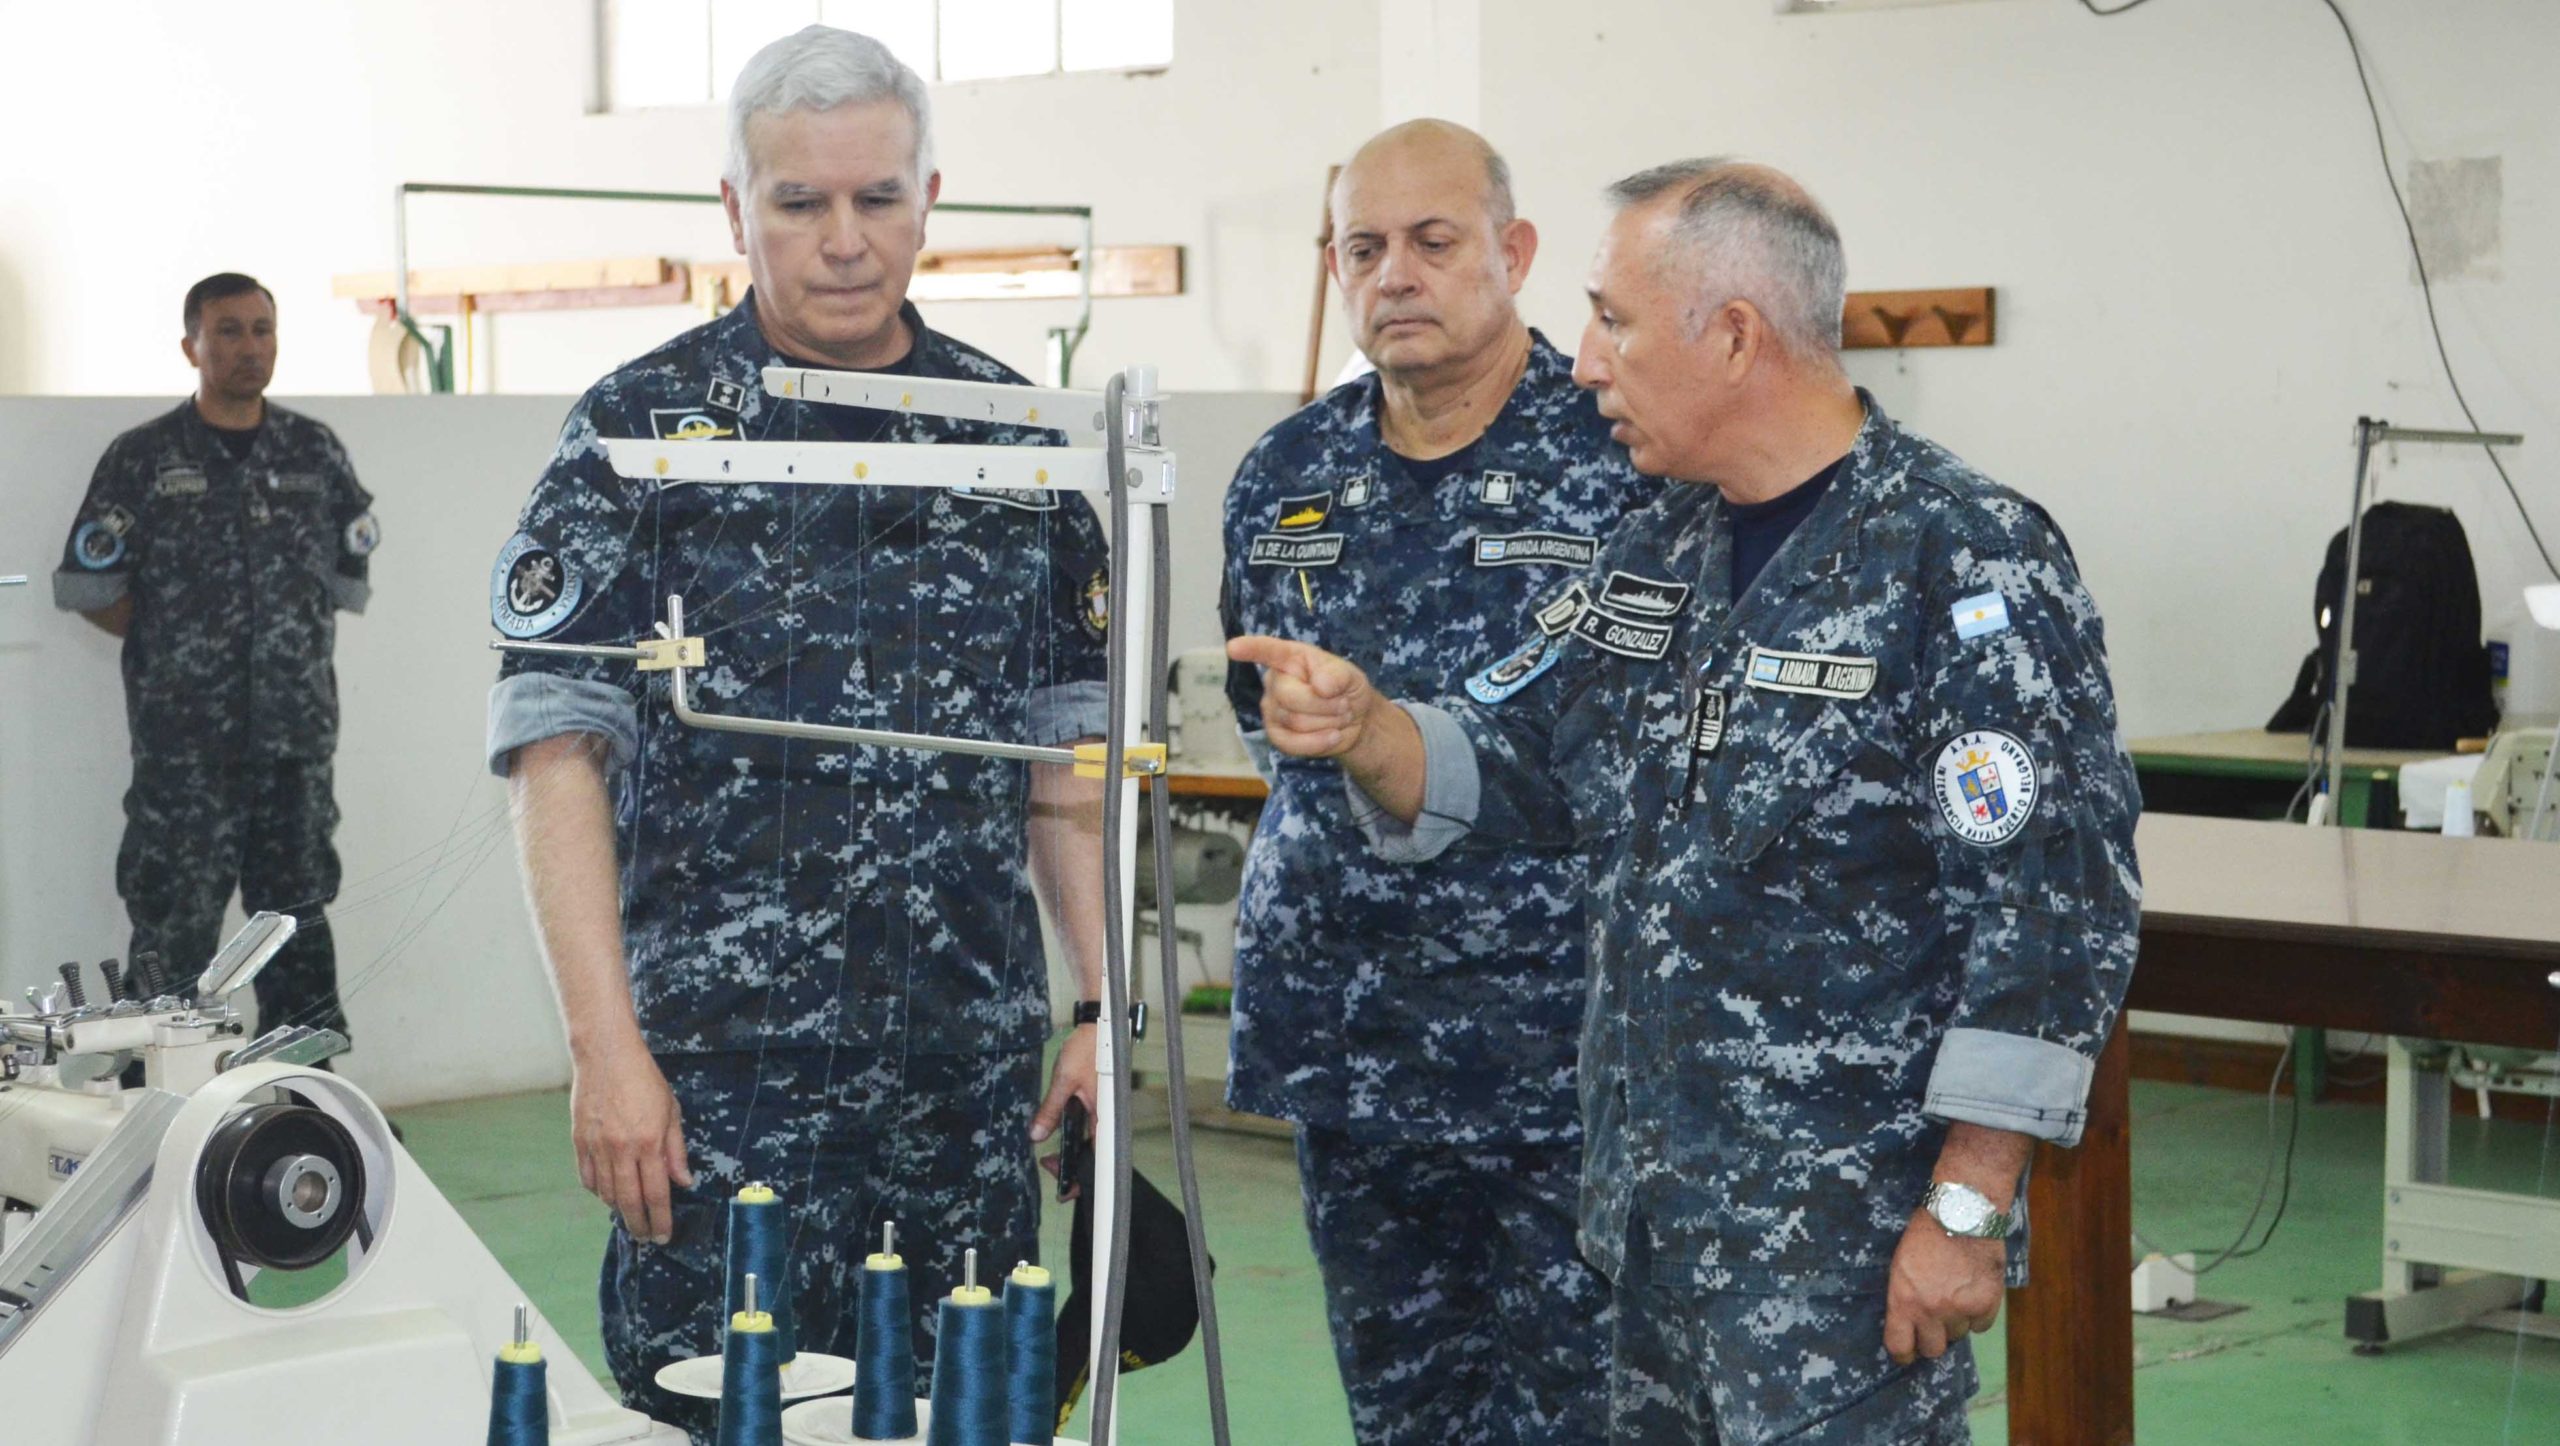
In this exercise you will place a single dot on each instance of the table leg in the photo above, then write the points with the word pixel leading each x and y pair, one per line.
pixel 2310 1064
pixel 2071 1329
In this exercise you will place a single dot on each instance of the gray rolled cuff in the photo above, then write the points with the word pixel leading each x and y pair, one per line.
pixel 2010 1082
pixel 530 707
pixel 1062 713
pixel 1257 751
pixel 1451 793
pixel 349 594
pixel 87 592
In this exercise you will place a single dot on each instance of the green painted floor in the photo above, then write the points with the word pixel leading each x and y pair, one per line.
pixel 2277 1372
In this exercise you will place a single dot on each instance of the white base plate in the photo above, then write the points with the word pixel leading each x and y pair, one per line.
pixel 811 1374
pixel 830 1423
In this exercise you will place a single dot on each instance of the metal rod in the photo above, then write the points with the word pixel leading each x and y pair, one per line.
pixel 680 696
pixel 15 579
pixel 2342 671
pixel 2385 432
pixel 567 650
pixel 524 1329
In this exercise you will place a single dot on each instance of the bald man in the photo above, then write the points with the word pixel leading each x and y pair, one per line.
pixel 1418 1021
pixel 1834 722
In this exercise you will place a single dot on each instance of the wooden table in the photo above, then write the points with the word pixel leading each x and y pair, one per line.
pixel 2395 933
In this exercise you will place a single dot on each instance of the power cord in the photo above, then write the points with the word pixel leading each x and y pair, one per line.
pixel 2426 284
pixel 2239 1248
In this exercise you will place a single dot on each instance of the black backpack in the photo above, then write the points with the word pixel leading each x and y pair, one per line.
pixel 2422 676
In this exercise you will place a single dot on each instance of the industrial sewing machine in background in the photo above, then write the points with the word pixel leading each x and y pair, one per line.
pixel 134 1218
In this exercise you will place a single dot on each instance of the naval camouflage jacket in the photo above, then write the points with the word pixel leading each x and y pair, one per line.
pixel 781 892
pixel 1860 855
pixel 1440 1000
pixel 236 570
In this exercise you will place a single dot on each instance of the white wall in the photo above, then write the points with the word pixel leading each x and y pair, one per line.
pixel 2202 279
pixel 266 136
pixel 443 987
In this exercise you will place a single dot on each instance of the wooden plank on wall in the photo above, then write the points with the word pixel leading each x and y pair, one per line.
pixel 1950 316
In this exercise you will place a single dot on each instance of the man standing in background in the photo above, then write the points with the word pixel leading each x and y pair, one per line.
pixel 1418 1022
pixel 219 541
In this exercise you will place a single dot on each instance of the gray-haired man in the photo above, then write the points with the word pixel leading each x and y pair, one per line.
pixel 825 968
pixel 1835 732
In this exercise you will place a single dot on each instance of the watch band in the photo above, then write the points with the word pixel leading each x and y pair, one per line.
pixel 1975 1217
pixel 1088 1011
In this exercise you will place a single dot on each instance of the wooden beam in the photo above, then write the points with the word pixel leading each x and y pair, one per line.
pixel 450 281
pixel 1955 316
pixel 2071 1327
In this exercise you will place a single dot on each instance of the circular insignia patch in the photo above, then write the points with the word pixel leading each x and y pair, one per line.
pixel 531 591
pixel 363 536
pixel 1986 786
pixel 1097 603
pixel 97 546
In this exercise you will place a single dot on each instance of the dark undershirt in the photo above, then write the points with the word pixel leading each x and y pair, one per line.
pixel 1761 528
pixel 236 441
pixel 1433 471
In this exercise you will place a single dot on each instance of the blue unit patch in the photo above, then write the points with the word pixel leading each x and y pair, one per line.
pixel 1515 672
pixel 531 591
pixel 98 546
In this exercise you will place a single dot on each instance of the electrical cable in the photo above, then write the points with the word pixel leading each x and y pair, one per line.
pixel 2092 7
pixel 2239 1248
pixel 2426 286
pixel 2541 1191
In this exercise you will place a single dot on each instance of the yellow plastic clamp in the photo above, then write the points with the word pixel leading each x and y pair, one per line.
pixel 1139 760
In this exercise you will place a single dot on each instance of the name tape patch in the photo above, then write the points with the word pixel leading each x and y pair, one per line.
pixel 1823 675
pixel 1986 786
pixel 1641 638
pixel 1290 549
pixel 178 482
pixel 1519 549
pixel 1026 498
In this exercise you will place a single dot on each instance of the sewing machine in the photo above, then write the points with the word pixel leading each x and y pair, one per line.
pixel 135 1219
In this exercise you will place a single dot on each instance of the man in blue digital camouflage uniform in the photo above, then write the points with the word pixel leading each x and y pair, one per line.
pixel 1835 732
pixel 1418 1021
pixel 220 541
pixel 825 968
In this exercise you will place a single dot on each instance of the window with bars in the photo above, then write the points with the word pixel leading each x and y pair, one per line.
pixel 685 52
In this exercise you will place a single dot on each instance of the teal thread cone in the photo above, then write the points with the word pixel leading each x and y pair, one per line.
pixel 759 1245
pixel 968 1372
pixel 1030 1356
pixel 751 1382
pixel 884 1350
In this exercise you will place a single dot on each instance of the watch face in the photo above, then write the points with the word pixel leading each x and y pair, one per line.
pixel 1961 1211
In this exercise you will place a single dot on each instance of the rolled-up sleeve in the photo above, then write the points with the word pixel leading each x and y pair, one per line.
pixel 2042 895
pixel 530 707
pixel 1451 791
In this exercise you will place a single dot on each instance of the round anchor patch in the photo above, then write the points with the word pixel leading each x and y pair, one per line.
pixel 97 546
pixel 363 536
pixel 1986 786
pixel 531 591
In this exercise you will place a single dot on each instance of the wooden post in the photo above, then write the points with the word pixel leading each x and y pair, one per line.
pixel 1315 323
pixel 2071 1329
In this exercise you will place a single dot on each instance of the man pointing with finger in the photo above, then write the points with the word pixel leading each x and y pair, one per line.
pixel 1835 733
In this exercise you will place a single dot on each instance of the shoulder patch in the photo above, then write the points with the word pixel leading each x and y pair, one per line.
pixel 1975 616
pixel 1986 786
pixel 97 546
pixel 531 590
pixel 363 536
pixel 1515 672
pixel 1097 603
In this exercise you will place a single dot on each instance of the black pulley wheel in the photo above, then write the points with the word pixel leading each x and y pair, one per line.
pixel 281 1186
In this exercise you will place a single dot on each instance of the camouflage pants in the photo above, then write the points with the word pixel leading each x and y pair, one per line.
pixel 935 1143
pixel 1461 1309
pixel 195 829
pixel 1732 1368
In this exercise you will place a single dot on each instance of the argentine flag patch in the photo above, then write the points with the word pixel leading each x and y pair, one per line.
pixel 1976 616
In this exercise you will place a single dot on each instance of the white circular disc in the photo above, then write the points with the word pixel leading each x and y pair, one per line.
pixel 830 1423
pixel 811 1374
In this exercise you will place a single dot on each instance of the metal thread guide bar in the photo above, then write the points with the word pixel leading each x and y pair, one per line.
pixel 1148 469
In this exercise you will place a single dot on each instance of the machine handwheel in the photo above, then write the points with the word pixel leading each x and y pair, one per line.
pixel 281 1186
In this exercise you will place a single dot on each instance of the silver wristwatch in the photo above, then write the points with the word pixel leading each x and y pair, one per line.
pixel 1964 1212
